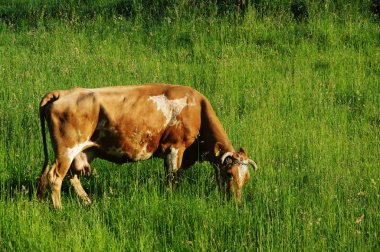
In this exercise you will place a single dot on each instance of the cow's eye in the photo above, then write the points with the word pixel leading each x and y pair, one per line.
pixel 228 161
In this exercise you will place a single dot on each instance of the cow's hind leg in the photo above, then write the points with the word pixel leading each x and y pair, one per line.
pixel 75 182
pixel 60 168
pixel 56 175
pixel 173 162
pixel 81 166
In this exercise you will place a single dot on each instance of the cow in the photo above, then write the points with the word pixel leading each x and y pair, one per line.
pixel 133 123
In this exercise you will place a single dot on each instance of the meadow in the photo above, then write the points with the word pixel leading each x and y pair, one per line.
pixel 301 94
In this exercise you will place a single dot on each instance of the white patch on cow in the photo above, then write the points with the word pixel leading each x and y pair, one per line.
pixel 192 101
pixel 172 158
pixel 74 151
pixel 170 108
pixel 142 154
pixel 242 171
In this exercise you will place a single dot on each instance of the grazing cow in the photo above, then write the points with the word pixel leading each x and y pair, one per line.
pixel 133 123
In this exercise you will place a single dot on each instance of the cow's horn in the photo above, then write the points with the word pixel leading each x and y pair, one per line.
pixel 254 165
pixel 225 155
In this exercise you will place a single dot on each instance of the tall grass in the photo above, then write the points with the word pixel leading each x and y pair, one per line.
pixel 302 97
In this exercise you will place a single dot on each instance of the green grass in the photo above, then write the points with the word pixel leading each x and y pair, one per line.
pixel 302 97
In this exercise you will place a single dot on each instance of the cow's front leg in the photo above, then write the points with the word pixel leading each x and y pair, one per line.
pixel 75 182
pixel 173 162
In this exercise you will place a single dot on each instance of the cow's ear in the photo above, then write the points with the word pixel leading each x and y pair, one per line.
pixel 242 150
pixel 218 148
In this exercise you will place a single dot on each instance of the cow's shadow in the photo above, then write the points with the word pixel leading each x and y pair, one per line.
pixel 18 187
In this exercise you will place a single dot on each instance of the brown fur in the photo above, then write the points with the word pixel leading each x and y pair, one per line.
pixel 121 124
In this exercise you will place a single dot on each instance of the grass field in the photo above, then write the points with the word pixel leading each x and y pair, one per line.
pixel 303 97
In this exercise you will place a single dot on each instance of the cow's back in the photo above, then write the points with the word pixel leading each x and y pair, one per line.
pixel 131 122
pixel 146 119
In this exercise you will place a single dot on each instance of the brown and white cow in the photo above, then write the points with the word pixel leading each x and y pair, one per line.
pixel 133 123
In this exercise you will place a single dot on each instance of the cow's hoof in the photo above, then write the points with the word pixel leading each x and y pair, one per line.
pixel 87 202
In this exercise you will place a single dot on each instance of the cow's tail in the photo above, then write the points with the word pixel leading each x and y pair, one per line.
pixel 46 100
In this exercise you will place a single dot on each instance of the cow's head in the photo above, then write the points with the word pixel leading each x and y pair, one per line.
pixel 233 169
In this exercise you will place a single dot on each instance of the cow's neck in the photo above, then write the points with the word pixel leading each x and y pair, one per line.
pixel 212 132
pixel 220 138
